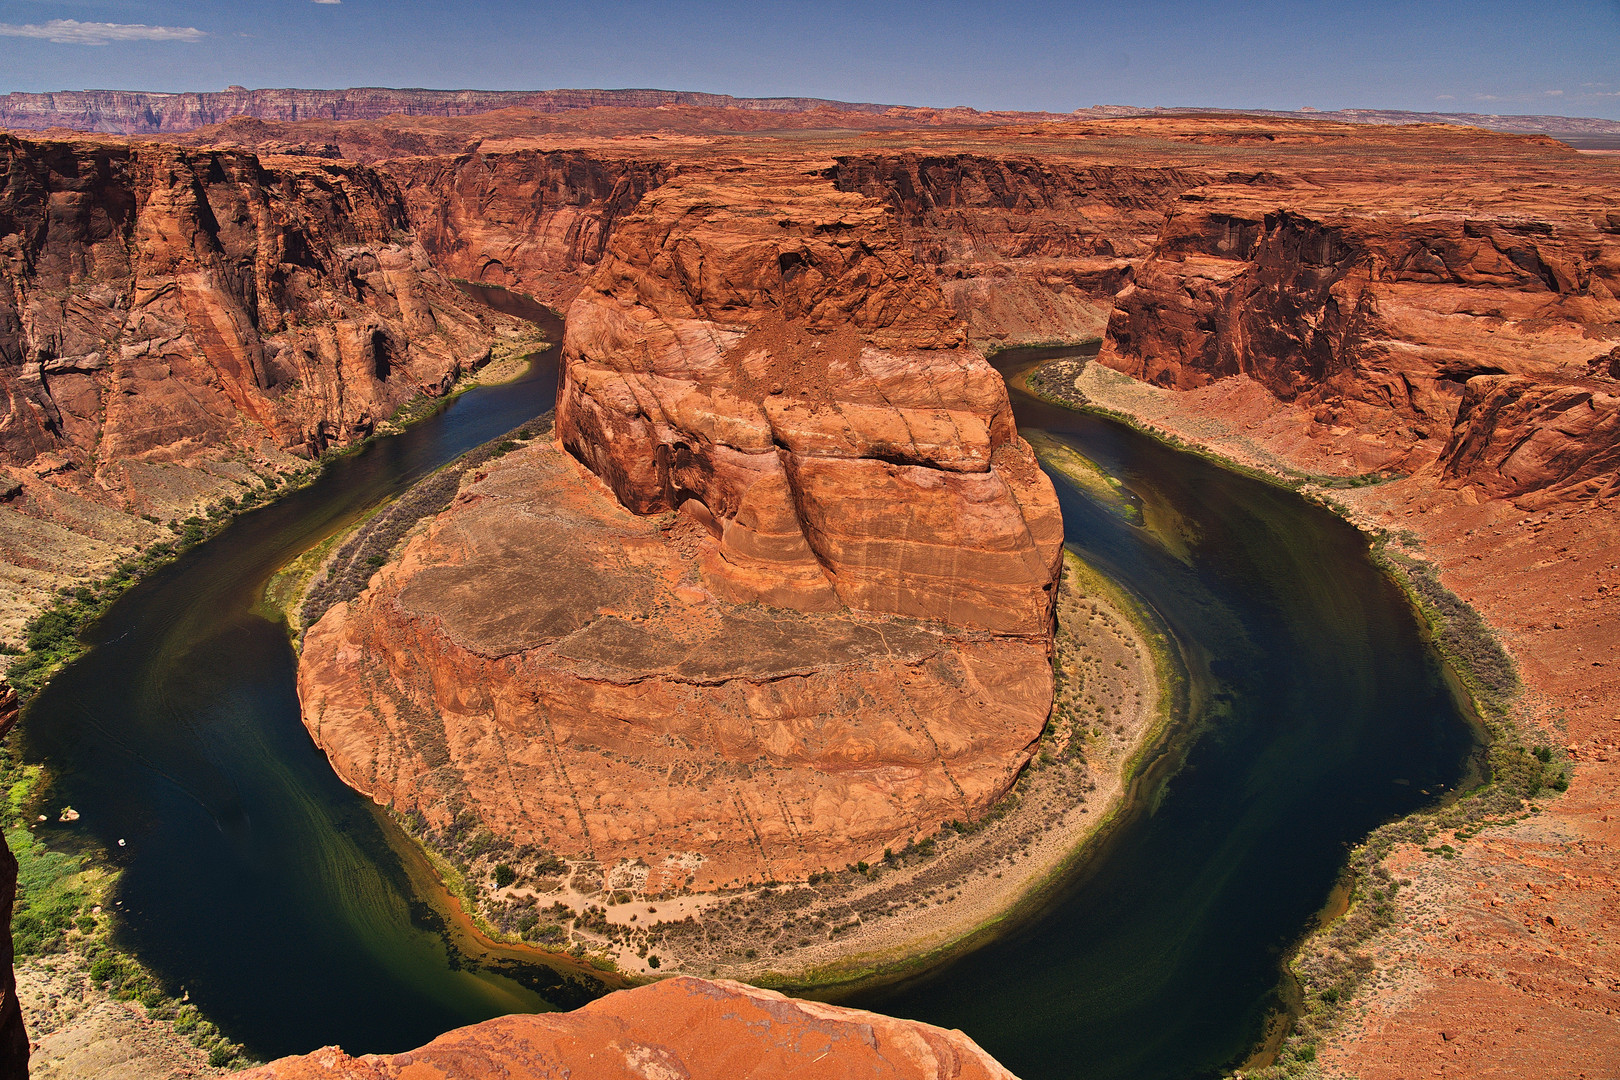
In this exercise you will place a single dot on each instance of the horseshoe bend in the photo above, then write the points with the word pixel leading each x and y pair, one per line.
pixel 761 655
pixel 779 597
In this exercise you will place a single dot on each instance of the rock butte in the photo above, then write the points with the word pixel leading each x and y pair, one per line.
pixel 837 640
pixel 682 1027
pixel 1438 303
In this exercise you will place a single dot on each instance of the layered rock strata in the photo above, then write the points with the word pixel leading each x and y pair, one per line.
pixel 528 220
pixel 807 617
pixel 132 112
pixel 1029 250
pixel 1480 335
pixel 175 324
pixel 560 667
pixel 758 354
pixel 684 1027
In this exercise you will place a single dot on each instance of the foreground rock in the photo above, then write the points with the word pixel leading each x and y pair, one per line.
pixel 13 1037
pixel 682 1027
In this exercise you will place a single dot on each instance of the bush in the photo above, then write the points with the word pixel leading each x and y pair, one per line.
pixel 504 875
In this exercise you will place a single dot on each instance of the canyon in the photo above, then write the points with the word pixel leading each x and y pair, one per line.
pixel 836 637
pixel 821 562
pixel 183 327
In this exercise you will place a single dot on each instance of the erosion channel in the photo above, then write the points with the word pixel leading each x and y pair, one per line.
pixel 296 914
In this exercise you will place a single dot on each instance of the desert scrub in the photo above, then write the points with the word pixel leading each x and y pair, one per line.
pixel 349 569
pixel 1332 966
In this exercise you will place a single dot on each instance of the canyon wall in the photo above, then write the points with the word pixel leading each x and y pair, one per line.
pixel 177 324
pixel 532 221
pixel 1388 314
pixel 691 1028
pixel 1029 250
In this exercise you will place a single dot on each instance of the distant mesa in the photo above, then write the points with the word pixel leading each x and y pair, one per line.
pixel 136 112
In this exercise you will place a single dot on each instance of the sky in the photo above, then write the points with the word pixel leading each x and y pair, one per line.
pixel 1488 56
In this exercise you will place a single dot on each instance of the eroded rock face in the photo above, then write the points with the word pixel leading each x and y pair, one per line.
pixel 1374 321
pixel 562 668
pixel 528 220
pixel 1514 436
pixel 1028 250
pixel 176 322
pixel 685 1027
pixel 757 353
pixel 198 297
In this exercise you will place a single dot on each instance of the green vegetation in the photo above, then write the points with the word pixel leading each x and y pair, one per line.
pixel 63 907
pixel 1333 966
pixel 52 638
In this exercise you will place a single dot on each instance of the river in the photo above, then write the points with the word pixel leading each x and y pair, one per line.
pixel 296 915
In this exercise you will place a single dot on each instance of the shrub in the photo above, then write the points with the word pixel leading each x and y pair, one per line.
pixel 504 875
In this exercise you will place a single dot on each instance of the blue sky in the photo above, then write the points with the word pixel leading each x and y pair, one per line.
pixel 1486 56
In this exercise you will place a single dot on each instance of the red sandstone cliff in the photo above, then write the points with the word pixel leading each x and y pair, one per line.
pixel 1396 324
pixel 175 322
pixel 759 353
pixel 691 1028
pixel 532 221
pixel 1029 250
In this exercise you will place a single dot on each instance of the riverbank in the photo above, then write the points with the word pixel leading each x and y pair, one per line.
pixel 1383 992
pixel 960 883
pixel 92 1009
pixel 1112 708
pixel 50 629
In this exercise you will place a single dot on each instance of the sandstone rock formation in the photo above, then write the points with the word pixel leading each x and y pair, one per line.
pixel 1030 250
pixel 759 354
pixel 560 667
pixel 684 1027
pixel 176 322
pixel 531 221
pixel 1514 436
pixel 1370 320
pixel 811 610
